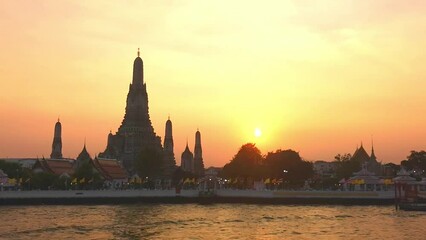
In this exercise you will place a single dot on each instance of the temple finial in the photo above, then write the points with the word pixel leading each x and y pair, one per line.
pixel 138 52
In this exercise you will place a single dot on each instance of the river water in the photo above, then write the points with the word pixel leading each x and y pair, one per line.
pixel 217 221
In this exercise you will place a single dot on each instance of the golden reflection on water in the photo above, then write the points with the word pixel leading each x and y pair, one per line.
pixel 219 221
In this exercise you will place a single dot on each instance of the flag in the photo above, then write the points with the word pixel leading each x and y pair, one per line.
pixel 186 181
pixel 82 180
pixel 388 181
pixel 11 181
pixel 267 181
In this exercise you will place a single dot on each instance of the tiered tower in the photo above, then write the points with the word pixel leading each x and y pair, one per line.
pixel 136 131
pixel 57 142
pixel 198 155
pixel 169 163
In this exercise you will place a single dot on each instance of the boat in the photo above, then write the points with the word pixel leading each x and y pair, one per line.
pixel 413 206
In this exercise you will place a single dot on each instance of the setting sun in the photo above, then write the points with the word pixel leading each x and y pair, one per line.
pixel 257 132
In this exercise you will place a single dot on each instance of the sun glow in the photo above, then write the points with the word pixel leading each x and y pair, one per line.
pixel 257 132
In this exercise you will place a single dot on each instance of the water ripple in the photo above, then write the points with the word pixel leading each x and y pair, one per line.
pixel 218 221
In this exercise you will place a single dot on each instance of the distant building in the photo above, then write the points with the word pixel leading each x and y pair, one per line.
pixel 212 171
pixel 83 157
pixel 198 155
pixel 187 160
pixel 370 161
pixel 57 142
pixel 59 167
pixel 323 168
pixel 136 132
pixel 390 169
pixel 110 170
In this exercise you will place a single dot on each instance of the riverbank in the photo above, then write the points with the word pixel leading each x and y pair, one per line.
pixel 75 197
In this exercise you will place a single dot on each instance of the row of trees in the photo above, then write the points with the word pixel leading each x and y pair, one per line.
pixel 249 163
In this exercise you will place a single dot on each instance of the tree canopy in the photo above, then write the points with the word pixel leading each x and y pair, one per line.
pixel 281 164
pixel 416 160
pixel 246 163
pixel 149 163
pixel 288 164
pixel 12 169
pixel 346 166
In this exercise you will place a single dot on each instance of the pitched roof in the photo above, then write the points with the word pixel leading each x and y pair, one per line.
pixel 361 155
pixel 84 155
pixel 109 168
pixel 55 166
pixel 187 153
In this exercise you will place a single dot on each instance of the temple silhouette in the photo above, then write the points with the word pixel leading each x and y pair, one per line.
pixel 136 132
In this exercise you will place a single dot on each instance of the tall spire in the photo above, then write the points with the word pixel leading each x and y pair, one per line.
pixel 169 155
pixel 168 138
pixel 198 155
pixel 373 155
pixel 138 70
pixel 57 141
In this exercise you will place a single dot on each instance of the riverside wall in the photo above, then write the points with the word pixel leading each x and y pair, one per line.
pixel 75 197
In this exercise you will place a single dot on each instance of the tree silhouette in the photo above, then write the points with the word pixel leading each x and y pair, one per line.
pixel 248 162
pixel 12 169
pixel 416 160
pixel 288 164
pixel 346 166
pixel 149 163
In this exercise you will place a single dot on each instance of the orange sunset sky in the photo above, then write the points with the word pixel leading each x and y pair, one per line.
pixel 318 77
